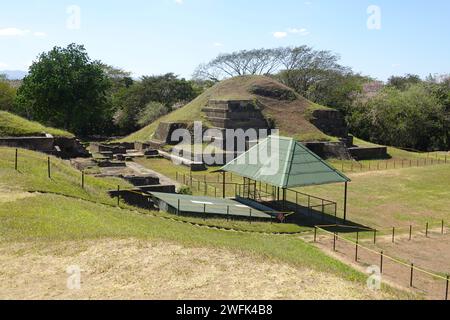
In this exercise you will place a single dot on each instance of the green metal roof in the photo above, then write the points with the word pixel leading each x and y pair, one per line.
pixel 285 163
pixel 208 205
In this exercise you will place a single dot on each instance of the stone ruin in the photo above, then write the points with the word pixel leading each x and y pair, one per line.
pixel 62 147
pixel 236 114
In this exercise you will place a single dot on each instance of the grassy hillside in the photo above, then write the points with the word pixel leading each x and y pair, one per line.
pixel 15 126
pixel 289 115
pixel 33 177
pixel 68 213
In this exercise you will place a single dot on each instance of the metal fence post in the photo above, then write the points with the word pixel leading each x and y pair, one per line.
pixel 118 195
pixel 375 236
pixel 410 233
pixel 357 245
pixel 15 161
pixel 334 242
pixel 412 275
pixel 393 235
pixel 442 227
pixel 82 179
pixel 48 168
pixel 426 231
pixel 315 234
pixel 381 261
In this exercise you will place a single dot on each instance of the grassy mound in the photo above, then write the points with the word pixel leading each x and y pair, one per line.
pixel 63 211
pixel 14 126
pixel 287 109
pixel 32 176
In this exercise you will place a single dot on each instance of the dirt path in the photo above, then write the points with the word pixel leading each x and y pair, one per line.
pixel 132 269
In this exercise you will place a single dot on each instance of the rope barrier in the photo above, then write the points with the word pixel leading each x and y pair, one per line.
pixel 384 255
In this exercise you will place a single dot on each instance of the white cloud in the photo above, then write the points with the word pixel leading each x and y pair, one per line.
pixel 3 65
pixel 40 34
pixel 13 32
pixel 179 1
pixel 218 44
pixel 302 31
pixel 396 65
pixel 280 34
pixel 16 32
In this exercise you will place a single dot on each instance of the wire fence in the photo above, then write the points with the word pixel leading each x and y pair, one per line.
pixel 418 277
pixel 379 165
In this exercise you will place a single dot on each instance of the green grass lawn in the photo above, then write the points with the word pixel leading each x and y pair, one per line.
pixel 68 212
pixel 378 199
pixel 32 175
pixel 15 126
pixel 395 197
pixel 53 218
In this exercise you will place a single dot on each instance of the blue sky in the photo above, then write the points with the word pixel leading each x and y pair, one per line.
pixel 158 36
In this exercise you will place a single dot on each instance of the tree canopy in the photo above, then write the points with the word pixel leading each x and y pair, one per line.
pixel 7 94
pixel 66 89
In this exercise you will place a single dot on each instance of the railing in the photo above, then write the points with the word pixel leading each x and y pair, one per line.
pixel 298 202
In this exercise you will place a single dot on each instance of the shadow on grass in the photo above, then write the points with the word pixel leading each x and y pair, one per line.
pixel 306 217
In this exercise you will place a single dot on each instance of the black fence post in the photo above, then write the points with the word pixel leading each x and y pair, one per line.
pixel 334 242
pixel 357 245
pixel 118 195
pixel 393 235
pixel 426 230
pixel 315 234
pixel 178 207
pixel 410 233
pixel 442 227
pixel 48 168
pixel 15 161
pixel 381 261
pixel 412 275
pixel 375 236
pixel 82 179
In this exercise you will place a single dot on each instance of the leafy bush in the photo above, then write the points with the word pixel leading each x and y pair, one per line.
pixel 185 191
pixel 151 112
pixel 412 118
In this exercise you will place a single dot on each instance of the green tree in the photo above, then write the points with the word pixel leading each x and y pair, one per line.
pixel 412 118
pixel 7 94
pixel 167 90
pixel 402 83
pixel 66 89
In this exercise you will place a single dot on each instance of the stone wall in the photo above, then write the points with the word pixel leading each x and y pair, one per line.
pixel 369 153
pixel 327 150
pixel 41 144
pixel 165 131
pixel 330 122
pixel 235 114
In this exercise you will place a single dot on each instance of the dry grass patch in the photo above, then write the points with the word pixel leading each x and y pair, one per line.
pixel 138 269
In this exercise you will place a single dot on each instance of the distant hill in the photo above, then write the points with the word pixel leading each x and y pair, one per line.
pixel 14 74
pixel 14 126
pixel 289 111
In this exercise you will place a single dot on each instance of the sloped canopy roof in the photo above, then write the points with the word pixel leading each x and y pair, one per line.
pixel 285 163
